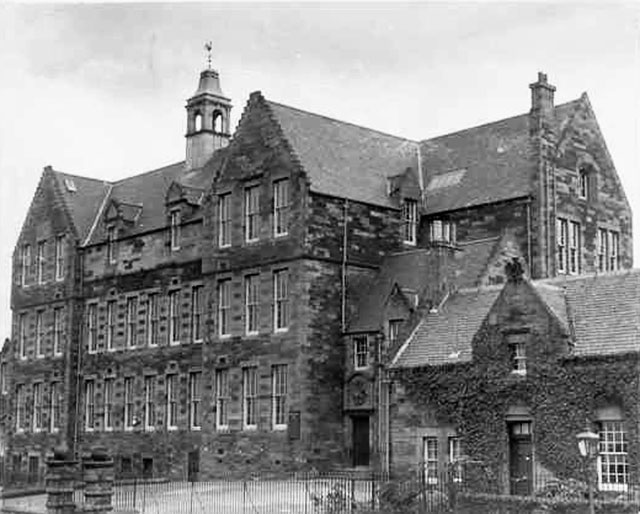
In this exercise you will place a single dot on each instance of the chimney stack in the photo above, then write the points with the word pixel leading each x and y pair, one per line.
pixel 541 99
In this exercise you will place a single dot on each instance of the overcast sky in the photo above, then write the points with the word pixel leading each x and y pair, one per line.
pixel 99 90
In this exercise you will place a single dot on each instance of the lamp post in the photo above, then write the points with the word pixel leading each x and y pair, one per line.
pixel 588 446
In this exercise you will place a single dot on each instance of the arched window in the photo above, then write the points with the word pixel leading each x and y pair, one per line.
pixel 217 122
pixel 198 122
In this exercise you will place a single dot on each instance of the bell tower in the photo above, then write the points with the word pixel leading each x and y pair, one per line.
pixel 208 112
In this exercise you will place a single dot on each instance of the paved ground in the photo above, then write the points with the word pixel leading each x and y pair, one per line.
pixel 260 497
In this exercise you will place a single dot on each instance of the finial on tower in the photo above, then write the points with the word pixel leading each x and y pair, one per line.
pixel 208 46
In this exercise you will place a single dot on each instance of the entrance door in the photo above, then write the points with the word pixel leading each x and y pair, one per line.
pixel 521 458
pixel 193 465
pixel 360 440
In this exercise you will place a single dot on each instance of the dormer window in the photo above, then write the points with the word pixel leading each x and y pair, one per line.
pixel 175 229
pixel 112 249
pixel 442 231
pixel 410 221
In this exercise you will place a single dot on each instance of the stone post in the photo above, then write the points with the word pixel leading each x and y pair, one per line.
pixel 98 483
pixel 60 478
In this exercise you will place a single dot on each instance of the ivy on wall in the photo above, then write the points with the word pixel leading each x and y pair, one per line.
pixel 562 393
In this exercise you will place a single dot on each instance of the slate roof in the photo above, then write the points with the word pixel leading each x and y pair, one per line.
pixel 84 203
pixel 483 164
pixel 473 260
pixel 603 311
pixel 409 270
pixel 412 270
pixel 445 336
pixel 342 159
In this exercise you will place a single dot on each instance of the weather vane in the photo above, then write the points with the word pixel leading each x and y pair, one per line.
pixel 208 47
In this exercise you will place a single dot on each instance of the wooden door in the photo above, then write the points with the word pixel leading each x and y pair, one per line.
pixel 361 449
pixel 521 458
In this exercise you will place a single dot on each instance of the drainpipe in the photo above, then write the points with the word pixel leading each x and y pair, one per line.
pixel 529 237
pixel 345 224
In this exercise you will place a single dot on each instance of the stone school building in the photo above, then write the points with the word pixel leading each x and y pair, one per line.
pixel 244 309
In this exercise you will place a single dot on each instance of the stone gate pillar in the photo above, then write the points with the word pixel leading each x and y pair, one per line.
pixel 60 479
pixel 98 482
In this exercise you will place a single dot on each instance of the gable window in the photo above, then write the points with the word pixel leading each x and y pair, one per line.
pixel 614 250
pixel 59 251
pixel 92 327
pixel 583 183
pixel 25 274
pixel 21 408
pixel 360 351
pixel 281 207
pixel 196 314
pixel 224 307
pixel 224 220
pixel 613 463
pixel 89 404
pixel 112 248
pixel 410 221
pixel 149 402
pixel 603 249
pixel 517 350
pixel 57 331
pixel 175 229
pixel 172 402
pixel 251 300
pixel 394 330
pixel 195 380
pixel 251 213
pixel 132 314
pixel 250 397
pixel 38 407
pixel 222 399
pixel 54 407
pixel 574 248
pixel 174 317
pixel 562 237
pixel 279 396
pixel 281 300
pixel 22 343
pixel 152 319
pixel 128 403
pixel 42 246
pixel 442 231
pixel 39 334
pixel 111 324
pixel 108 404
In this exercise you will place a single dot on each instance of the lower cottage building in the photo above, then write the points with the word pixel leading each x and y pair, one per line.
pixel 232 312
pixel 501 379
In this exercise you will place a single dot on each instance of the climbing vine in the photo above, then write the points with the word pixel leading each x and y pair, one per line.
pixel 562 394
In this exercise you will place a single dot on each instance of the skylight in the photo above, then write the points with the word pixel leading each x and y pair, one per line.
pixel 448 179
pixel 70 184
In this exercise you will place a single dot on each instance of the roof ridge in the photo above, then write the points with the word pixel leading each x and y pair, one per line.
pixel 486 124
pixel 343 122
pixel 149 172
pixel 83 177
